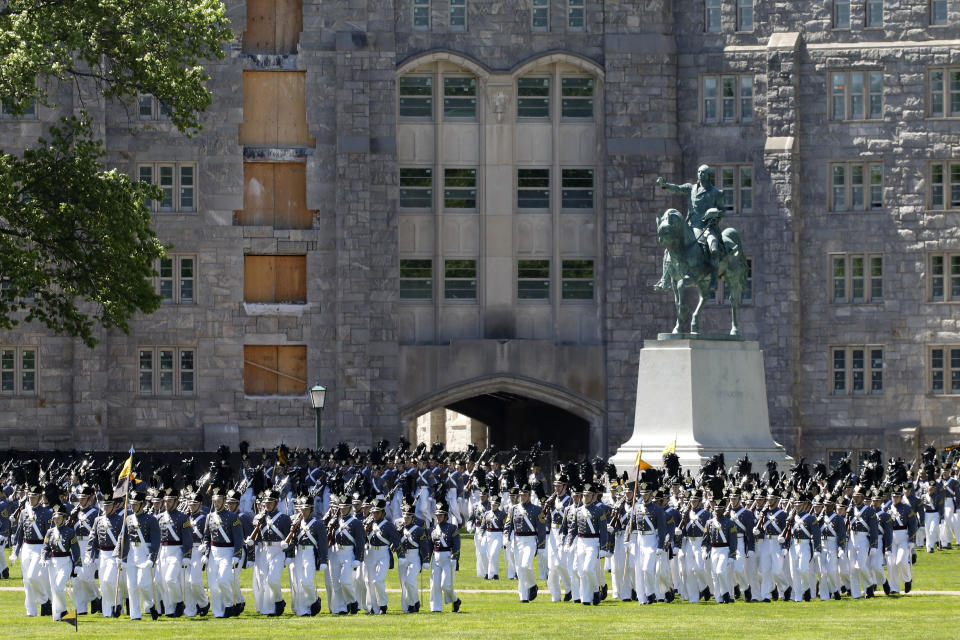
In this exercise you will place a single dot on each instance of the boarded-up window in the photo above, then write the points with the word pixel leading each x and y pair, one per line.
pixel 273 26
pixel 275 195
pixel 274 370
pixel 274 110
pixel 275 279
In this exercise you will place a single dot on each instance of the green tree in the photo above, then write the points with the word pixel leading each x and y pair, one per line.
pixel 76 247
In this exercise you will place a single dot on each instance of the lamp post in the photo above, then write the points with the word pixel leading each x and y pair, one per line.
pixel 317 397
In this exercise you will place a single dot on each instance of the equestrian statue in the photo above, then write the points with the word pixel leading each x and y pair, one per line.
pixel 697 253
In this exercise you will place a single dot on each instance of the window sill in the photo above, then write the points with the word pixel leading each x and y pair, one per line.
pixel 289 396
pixel 951 396
pixel 460 302
pixel 18 396
pixel 536 302
pixel 150 396
pixel 276 308
pixel 857 396
pixel 878 120
pixel 578 302
pixel 943 301
pixel 417 302
pixel 728 123
pixel 858 212
pixel 591 211
pixel 872 303
pixel 414 211
pixel 414 120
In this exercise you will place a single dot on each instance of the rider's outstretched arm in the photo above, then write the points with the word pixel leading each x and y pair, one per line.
pixel 676 188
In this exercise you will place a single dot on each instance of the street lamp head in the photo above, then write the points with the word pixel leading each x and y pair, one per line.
pixel 317 396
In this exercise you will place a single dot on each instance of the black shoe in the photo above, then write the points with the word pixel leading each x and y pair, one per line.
pixel 586 604
pixel 806 595
pixel 651 599
pixel 907 586
pixel 242 605
pixel 633 595
pixel 496 576
pixel 117 611
pixel 913 558
pixel 775 594
pixel 727 599
pixel 96 606
pixel 533 593
pixel 203 611
pixel 766 599
pixel 456 605
pixel 870 591
pixel 603 592
pixel 126 603
pixel 886 587
pixel 417 606
pixel 736 591
pixel 524 601
pixel 669 595
pixel 6 574
pixel 843 588
pixel 177 610
pixel 577 601
pixel 567 596
pixel 596 598
pixel 836 595
pixel 787 593
pixel 747 595
pixel 154 614
pixel 383 609
pixel 46 609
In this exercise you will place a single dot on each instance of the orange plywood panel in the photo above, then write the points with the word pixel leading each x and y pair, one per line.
pixel 259 194
pixel 291 279
pixel 259 278
pixel 261 33
pixel 260 107
pixel 292 129
pixel 293 370
pixel 289 25
pixel 259 370
pixel 291 197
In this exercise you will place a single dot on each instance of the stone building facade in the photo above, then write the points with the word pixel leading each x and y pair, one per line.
pixel 450 203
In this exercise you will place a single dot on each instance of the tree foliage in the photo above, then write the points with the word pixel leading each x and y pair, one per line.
pixel 76 247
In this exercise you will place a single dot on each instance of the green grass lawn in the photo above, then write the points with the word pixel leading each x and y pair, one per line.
pixel 500 615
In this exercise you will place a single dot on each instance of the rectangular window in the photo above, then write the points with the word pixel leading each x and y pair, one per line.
pixel 737 184
pixel 734 102
pixel 744 15
pixel 856 186
pixel 944 185
pixel 841 14
pixel 945 370
pixel 576 17
pixel 460 189
pixel 460 279
pixel 275 195
pixel 576 280
pixel 275 279
pixel 149 108
pixel 533 189
pixel 577 189
pixel 29 111
pixel 459 97
pixel 533 279
pixel 577 98
pixel 944 93
pixel 177 181
pixel 177 279
pixel 416 279
pixel 270 370
pixel 416 188
pixel 874 16
pixel 711 17
pixel 416 97
pixel 167 371
pixel 421 15
pixel 540 16
pixel 944 269
pixel 856 95
pixel 458 15
pixel 858 370
pixel 856 278
pixel 533 98
pixel 938 12
pixel 18 371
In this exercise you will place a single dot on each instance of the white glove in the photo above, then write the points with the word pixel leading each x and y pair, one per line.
pixel 781 539
pixel 354 564
pixel 235 563
pixel 323 567
pixel 44 563
pixel 13 557
pixel 148 564
pixel 729 563
pixel 284 545
pixel 659 552
pixel 185 563
pixel 603 554
pixel 677 532
pixel 248 542
pixel 749 554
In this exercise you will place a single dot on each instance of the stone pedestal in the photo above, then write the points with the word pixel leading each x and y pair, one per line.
pixel 707 394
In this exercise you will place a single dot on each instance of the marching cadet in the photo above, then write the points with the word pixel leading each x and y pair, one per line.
pixel 833 538
pixel 693 525
pixel 308 541
pixel 621 578
pixel 720 538
pixel 743 568
pixel 475 522
pixel 884 540
pixel 346 555
pixel 85 591
pixel 772 523
pixel 28 547
pixel 668 566
pixel 526 524
pixel 270 529
pixel 950 524
pixel 413 550
pixel 446 551
pixel 176 545
pixel 492 525
pixel 246 521
pixel 591 534
pixel 223 547
pixel 7 508
pixel 568 533
pixel 61 557
pixel 804 546
pixel 647 542
pixel 862 542
pixel 382 537
pixel 558 576
pixel 142 538
pixel 195 596
pixel 932 499
pixel 903 525
pixel 104 548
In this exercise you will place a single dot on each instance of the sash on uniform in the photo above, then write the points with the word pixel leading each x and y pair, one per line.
pixel 773 522
pixel 593 530
pixel 271 522
pixel 168 524
pixel 218 523
pixel 345 530
pixel 798 522
pixel 306 531
pixel 719 530
pixel 136 524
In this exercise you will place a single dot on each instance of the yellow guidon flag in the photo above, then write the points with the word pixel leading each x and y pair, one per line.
pixel 70 618
pixel 639 462
pixel 670 448
pixel 126 472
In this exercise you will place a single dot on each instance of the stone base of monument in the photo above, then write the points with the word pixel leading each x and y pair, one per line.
pixel 707 393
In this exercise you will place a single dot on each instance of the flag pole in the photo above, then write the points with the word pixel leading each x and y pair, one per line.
pixel 123 527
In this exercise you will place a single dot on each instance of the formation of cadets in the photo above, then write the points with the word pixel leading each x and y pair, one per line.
pixel 718 535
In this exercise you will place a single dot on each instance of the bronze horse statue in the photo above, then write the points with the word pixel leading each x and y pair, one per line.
pixel 688 265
